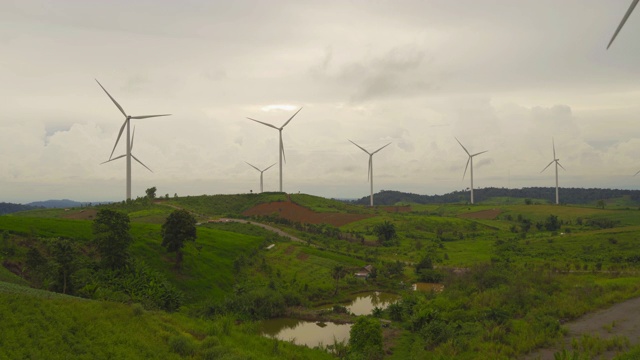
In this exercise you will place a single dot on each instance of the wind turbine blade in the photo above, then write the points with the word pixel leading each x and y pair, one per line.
pixel 636 173
pixel 252 166
pixel 115 158
pixel 545 168
pixel 133 135
pixel 291 118
pixel 481 152
pixel 361 148
pixel 148 116
pixel 118 139
pixel 380 148
pixel 561 165
pixel 112 99
pixel 263 123
pixel 464 148
pixel 369 177
pixel 284 157
pixel 140 162
pixel 554 147
pixel 624 20
pixel 465 168
pixel 269 167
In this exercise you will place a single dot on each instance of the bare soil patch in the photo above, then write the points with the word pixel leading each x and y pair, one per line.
pixel 289 250
pixel 295 212
pixel 397 209
pixel 302 256
pixel 482 215
pixel 84 214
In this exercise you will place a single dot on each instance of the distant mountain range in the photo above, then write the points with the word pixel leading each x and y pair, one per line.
pixel 577 196
pixel 64 203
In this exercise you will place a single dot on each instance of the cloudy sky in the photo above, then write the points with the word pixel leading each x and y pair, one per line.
pixel 500 75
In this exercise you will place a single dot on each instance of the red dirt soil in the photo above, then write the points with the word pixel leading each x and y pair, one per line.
pixel 482 215
pixel 397 209
pixel 87 214
pixel 295 212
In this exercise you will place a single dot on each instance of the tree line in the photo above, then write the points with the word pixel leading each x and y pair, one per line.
pixel 580 196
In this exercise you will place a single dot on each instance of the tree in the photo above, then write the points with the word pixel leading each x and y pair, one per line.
pixel 365 339
pixel 600 204
pixel 552 223
pixel 337 273
pixel 385 231
pixel 151 193
pixel 64 254
pixel 111 232
pixel 179 228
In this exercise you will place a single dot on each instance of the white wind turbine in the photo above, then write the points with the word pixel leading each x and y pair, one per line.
pixel 133 156
pixel 624 20
pixel 469 160
pixel 261 172
pixel 557 161
pixel 281 146
pixel 129 142
pixel 370 171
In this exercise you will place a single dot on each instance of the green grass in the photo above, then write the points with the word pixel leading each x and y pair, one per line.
pixel 64 327
pixel 323 205
pixel 223 205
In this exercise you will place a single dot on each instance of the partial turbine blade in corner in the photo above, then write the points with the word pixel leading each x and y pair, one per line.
pixel 115 158
pixel 466 167
pixel 118 139
pixel 545 168
pixel 269 167
pixel 148 116
pixel 380 148
pixel 464 148
pixel 636 173
pixel 291 118
pixel 553 142
pixel 361 148
pixel 140 162
pixel 112 99
pixel 481 152
pixel 558 162
pixel 624 20
pixel 263 123
pixel 252 166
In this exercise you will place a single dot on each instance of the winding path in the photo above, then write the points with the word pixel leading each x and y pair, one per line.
pixel 266 227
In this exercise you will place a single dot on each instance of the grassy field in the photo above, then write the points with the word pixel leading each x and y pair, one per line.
pixel 590 260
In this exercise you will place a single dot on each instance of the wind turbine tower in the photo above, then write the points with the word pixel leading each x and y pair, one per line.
pixel 127 125
pixel 469 161
pixel 557 161
pixel 261 173
pixel 370 171
pixel 281 146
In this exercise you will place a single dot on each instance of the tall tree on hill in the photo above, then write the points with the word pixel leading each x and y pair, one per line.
pixel 337 273
pixel 111 232
pixel 64 253
pixel 179 228
pixel 151 193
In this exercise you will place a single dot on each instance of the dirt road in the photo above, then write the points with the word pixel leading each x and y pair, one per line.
pixel 621 319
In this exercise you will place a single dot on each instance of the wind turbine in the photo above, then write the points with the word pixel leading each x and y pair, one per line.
pixel 129 142
pixel 261 172
pixel 557 161
pixel 133 156
pixel 370 171
pixel 624 20
pixel 469 160
pixel 281 146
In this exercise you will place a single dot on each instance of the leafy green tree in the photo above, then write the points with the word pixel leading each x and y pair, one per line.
pixel 112 237
pixel 600 204
pixel 386 231
pixel 365 339
pixel 64 254
pixel 179 228
pixel 552 223
pixel 337 273
pixel 151 193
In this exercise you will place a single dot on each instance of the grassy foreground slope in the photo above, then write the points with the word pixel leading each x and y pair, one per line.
pixel 36 325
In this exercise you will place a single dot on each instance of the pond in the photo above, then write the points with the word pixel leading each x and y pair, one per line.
pixel 303 332
pixel 312 334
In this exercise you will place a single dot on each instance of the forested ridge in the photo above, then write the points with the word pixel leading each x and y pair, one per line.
pixel 567 195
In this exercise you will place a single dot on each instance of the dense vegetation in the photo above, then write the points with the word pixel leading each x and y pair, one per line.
pixel 577 196
pixel 512 274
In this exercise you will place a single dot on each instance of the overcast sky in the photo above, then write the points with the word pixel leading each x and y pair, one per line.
pixel 504 76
